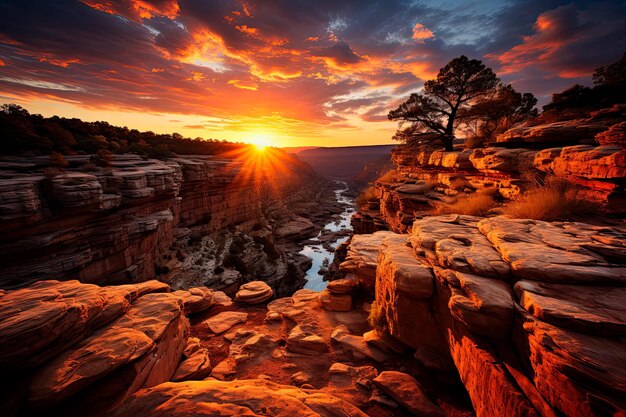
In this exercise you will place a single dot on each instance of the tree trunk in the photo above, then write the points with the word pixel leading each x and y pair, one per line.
pixel 448 142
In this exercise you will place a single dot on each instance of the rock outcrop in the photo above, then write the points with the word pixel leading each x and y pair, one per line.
pixel 72 346
pixel 189 221
pixel 530 313
pixel 588 153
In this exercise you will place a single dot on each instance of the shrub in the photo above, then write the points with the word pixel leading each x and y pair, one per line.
pixel 551 199
pixel 58 160
pixel 479 203
pixel 390 176
pixel 103 158
pixel 365 196
pixel 376 319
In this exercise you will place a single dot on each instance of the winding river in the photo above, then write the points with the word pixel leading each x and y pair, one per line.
pixel 321 256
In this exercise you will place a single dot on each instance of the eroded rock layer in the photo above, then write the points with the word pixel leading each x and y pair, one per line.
pixel 72 349
pixel 193 220
pixel 588 153
pixel 530 313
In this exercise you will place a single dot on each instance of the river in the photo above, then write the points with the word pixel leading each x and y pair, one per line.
pixel 320 255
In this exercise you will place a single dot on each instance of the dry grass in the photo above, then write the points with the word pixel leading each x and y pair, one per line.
pixel 376 318
pixel 478 204
pixel 390 176
pixel 553 199
pixel 365 196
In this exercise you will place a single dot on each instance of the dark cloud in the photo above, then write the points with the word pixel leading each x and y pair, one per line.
pixel 340 54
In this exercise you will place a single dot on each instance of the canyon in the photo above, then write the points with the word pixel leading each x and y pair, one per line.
pixel 192 220
pixel 176 287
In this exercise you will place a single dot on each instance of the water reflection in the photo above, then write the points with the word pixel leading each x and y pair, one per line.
pixel 320 256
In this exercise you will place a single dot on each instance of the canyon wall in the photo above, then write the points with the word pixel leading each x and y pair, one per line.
pixel 589 153
pixel 192 220
pixel 529 313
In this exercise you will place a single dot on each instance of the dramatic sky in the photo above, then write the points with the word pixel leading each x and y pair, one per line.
pixel 291 72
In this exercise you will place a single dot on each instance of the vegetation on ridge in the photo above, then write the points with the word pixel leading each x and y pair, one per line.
pixel 22 132
pixel 465 92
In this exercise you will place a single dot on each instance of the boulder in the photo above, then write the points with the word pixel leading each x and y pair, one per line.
pixel 341 286
pixel 195 300
pixel 405 390
pixel 306 339
pixel 335 302
pixel 196 366
pixel 355 346
pixel 44 319
pixel 254 292
pixel 141 348
pixel 223 321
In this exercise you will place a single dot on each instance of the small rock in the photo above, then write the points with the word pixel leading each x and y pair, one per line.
pixel 335 302
pixel 254 292
pixel 355 345
pixel 380 398
pixel 225 320
pixel 273 316
pixel 341 286
pixel 365 383
pixel 404 389
pixel 300 378
pixel 220 298
pixel 304 339
pixel 195 367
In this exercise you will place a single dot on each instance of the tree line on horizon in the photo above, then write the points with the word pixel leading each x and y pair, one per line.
pixel 23 133
pixel 468 96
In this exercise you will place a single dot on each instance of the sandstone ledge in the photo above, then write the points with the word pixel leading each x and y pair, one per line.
pixel 530 312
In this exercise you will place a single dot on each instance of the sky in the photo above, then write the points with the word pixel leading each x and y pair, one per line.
pixel 285 72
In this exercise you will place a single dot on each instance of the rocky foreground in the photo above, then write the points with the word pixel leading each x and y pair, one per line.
pixel 68 348
pixel 471 316
pixel 530 314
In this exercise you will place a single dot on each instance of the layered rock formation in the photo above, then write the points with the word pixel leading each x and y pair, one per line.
pixel 74 349
pixel 589 153
pixel 529 313
pixel 193 220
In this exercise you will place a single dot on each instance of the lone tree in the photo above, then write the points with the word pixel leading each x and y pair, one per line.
pixel 439 108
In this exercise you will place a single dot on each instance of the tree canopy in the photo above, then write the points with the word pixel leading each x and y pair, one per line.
pixel 22 132
pixel 442 104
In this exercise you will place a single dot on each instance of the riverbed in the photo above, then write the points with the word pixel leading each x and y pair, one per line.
pixel 320 255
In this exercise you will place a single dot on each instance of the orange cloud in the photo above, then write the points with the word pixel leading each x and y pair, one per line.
pixel 196 76
pixel 136 9
pixel 421 32
pixel 244 85
pixel 251 31
pixel 554 30
pixel 63 63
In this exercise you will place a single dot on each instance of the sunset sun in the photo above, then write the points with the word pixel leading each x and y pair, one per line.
pixel 260 141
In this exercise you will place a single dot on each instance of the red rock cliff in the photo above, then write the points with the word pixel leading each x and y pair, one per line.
pixel 143 218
